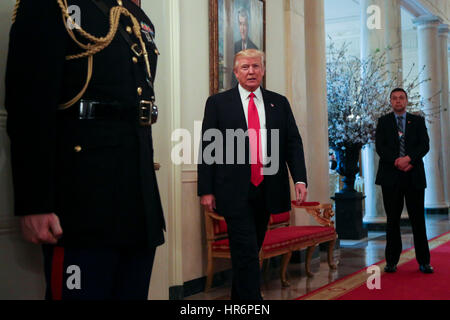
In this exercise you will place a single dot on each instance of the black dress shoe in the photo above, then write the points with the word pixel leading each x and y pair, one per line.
pixel 390 268
pixel 426 268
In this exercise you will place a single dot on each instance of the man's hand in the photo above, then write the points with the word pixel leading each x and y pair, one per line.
pixel 301 192
pixel 41 228
pixel 208 201
pixel 408 168
pixel 402 163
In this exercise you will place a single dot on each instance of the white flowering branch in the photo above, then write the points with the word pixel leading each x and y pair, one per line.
pixel 358 94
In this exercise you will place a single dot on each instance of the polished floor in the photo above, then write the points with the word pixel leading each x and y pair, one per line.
pixel 351 257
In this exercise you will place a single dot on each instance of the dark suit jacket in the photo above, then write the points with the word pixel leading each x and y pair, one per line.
pixel 238 45
pixel 107 193
pixel 230 182
pixel 388 146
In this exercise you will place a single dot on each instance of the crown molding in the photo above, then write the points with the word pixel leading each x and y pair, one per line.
pixel 415 7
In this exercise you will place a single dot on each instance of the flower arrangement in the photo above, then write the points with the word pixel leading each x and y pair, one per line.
pixel 358 94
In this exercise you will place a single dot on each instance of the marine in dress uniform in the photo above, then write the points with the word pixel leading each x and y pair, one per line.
pixel 80 104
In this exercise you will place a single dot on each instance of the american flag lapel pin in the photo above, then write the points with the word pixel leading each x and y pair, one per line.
pixel 272 105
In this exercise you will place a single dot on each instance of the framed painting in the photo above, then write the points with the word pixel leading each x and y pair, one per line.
pixel 235 25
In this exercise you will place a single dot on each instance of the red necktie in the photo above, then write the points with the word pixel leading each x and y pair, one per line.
pixel 255 142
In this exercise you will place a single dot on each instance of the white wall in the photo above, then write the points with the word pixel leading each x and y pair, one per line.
pixel 194 92
pixel 159 11
pixel 276 40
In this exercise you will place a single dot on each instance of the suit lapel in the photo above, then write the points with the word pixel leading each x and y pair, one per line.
pixel 269 118
pixel 395 129
pixel 408 122
pixel 409 125
pixel 267 108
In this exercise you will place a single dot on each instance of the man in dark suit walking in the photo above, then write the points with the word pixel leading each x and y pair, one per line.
pixel 401 142
pixel 247 192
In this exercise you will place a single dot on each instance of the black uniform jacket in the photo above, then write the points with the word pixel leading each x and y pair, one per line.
pixel 230 182
pixel 387 144
pixel 96 175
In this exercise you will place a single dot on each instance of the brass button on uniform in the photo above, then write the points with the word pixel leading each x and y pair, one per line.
pixel 78 149
pixel 135 60
pixel 119 2
pixel 139 91
pixel 129 29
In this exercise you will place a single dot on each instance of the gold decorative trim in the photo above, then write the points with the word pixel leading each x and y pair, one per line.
pixel 342 287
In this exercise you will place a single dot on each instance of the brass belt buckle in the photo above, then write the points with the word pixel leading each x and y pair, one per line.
pixel 148 113
pixel 87 109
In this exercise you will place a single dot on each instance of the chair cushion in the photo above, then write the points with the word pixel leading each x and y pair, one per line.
pixel 283 237
pixel 220 227
pixel 287 236
pixel 221 245
pixel 280 217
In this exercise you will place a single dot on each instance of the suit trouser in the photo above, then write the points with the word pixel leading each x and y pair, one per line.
pixel 97 273
pixel 246 230
pixel 393 199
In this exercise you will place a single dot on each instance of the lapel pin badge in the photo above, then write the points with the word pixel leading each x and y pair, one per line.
pixel 272 105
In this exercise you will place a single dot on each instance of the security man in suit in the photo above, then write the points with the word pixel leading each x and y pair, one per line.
pixel 244 186
pixel 401 142
pixel 80 102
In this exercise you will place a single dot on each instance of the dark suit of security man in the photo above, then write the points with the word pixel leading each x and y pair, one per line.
pixel 401 142
pixel 84 179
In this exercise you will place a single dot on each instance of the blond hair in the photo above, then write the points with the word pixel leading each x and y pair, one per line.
pixel 249 53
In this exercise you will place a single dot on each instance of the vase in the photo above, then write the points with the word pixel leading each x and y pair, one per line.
pixel 349 211
pixel 347 158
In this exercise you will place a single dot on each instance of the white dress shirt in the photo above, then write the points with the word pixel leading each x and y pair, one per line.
pixel 259 102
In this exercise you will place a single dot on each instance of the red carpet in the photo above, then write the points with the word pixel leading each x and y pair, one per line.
pixel 408 283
